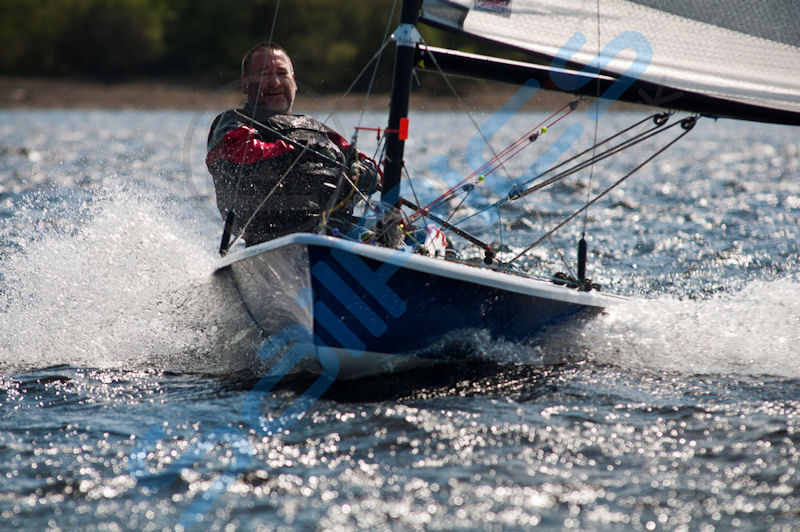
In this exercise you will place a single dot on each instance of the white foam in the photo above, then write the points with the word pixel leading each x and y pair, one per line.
pixel 755 331
pixel 126 284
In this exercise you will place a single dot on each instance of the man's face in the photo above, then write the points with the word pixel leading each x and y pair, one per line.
pixel 269 82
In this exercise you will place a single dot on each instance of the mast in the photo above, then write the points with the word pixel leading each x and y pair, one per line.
pixel 406 38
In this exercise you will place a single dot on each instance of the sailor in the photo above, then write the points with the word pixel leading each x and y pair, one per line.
pixel 280 172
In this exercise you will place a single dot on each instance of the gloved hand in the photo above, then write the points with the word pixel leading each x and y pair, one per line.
pixel 364 175
pixel 390 231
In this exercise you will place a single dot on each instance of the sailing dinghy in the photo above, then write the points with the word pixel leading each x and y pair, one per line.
pixel 361 308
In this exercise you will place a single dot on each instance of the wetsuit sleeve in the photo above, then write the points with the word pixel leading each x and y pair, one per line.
pixel 241 146
pixel 231 141
pixel 339 141
pixel 345 146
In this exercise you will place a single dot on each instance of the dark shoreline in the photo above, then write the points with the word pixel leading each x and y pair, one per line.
pixel 57 93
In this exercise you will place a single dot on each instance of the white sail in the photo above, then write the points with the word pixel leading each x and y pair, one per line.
pixel 742 51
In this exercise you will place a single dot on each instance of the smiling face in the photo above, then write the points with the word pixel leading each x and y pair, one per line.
pixel 269 82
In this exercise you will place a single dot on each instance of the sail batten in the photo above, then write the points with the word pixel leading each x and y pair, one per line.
pixel 708 49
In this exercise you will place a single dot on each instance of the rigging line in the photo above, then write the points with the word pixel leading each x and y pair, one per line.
pixel 266 56
pixel 687 124
pixel 596 121
pixel 460 203
pixel 333 206
pixel 452 226
pixel 496 204
pixel 488 164
pixel 376 183
pixel 527 136
pixel 413 192
pixel 530 136
pixel 587 150
pixel 371 85
pixel 274 20
pixel 462 105
pixel 449 227
pixel 582 165
pixel 342 171
pixel 572 170
pixel 302 148
pixel 500 228
pixel 385 41
pixel 563 258
pixel 264 201
pixel 602 156
pixel 467 188
pixel 374 59
pixel 240 168
pixel 263 66
pixel 572 106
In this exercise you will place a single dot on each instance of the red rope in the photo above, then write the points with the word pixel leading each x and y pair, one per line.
pixel 500 159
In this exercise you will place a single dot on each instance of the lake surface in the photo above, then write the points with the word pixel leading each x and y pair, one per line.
pixel 124 406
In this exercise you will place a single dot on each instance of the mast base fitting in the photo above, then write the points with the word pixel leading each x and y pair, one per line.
pixel 563 279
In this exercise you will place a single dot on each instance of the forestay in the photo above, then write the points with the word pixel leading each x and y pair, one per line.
pixel 742 56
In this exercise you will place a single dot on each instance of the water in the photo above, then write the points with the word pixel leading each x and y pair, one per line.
pixel 124 383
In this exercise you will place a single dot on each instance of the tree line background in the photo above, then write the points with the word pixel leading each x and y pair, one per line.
pixel 330 41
